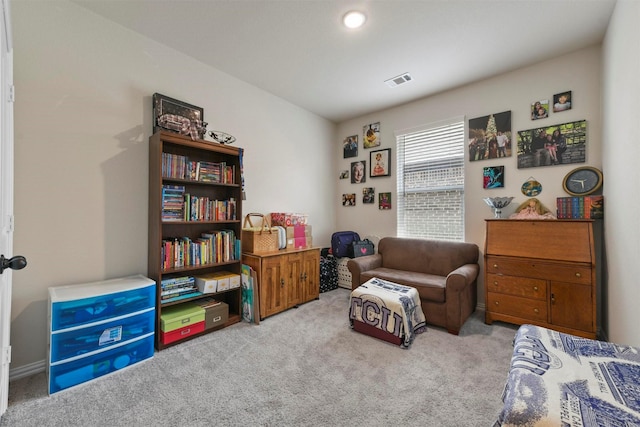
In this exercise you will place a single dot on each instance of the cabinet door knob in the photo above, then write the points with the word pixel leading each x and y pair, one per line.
pixel 281 282
pixel 578 275
pixel 495 283
pixel 497 303
pixel 553 298
pixel 535 310
pixel 495 265
pixel 535 288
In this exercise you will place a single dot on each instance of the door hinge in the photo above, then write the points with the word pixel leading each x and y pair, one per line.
pixel 6 355
pixel 12 93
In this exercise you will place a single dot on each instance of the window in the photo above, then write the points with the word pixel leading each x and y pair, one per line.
pixel 431 181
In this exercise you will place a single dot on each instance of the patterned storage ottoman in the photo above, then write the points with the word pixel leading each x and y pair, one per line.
pixel 328 273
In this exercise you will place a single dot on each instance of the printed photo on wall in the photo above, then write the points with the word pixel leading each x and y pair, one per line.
pixel 540 109
pixel 349 199
pixel 371 135
pixel 562 101
pixel 344 174
pixel 490 136
pixel 384 201
pixel 368 195
pixel 350 146
pixel 552 145
pixel 379 161
pixel 358 172
pixel 493 177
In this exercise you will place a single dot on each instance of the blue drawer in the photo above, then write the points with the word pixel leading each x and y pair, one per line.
pixel 78 312
pixel 68 374
pixel 84 340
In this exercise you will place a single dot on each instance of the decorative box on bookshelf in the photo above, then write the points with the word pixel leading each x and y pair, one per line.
pixel 580 207
pixel 195 202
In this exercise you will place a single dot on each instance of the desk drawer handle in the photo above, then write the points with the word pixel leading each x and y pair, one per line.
pixel 495 265
pixel 578 275
pixel 535 288
pixel 535 310
pixel 495 283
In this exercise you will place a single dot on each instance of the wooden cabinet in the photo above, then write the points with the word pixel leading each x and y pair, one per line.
pixel 543 272
pixel 285 278
pixel 209 175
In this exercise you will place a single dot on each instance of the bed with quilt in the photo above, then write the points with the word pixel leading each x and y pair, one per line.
pixel 557 379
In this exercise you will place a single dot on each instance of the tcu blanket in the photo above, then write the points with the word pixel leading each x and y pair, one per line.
pixel 557 379
pixel 388 306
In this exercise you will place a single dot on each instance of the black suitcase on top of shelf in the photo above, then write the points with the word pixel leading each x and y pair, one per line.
pixel 328 273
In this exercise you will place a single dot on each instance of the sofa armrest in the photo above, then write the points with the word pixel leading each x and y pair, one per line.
pixel 359 265
pixel 462 276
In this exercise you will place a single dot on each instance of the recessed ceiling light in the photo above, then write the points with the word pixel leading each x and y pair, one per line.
pixel 354 19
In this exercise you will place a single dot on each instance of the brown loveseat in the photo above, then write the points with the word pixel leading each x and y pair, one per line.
pixel 444 273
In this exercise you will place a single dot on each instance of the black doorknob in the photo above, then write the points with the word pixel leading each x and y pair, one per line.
pixel 17 262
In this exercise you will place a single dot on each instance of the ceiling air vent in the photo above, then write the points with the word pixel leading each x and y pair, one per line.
pixel 398 80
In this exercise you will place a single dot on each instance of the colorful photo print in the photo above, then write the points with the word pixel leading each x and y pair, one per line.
pixel 562 101
pixel 493 177
pixel 490 136
pixel 350 146
pixel 344 174
pixel 379 161
pixel 384 201
pixel 552 145
pixel 371 135
pixel 358 172
pixel 349 199
pixel 540 109
pixel 368 195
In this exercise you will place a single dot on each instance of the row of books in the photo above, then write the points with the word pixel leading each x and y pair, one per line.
pixel 582 207
pixel 180 206
pixel 177 288
pixel 211 247
pixel 178 166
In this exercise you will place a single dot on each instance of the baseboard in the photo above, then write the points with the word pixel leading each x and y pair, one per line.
pixel 27 370
pixel 481 307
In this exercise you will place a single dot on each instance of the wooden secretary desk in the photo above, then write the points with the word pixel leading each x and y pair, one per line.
pixel 543 272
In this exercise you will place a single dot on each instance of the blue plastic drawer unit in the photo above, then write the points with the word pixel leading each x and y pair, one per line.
pixel 98 328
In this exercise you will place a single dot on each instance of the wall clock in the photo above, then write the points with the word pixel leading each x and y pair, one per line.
pixel 582 181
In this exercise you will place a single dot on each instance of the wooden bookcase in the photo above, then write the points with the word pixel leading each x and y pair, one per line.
pixel 161 230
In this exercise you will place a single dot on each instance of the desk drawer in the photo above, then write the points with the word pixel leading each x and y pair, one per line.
pixel 518 286
pixel 546 270
pixel 70 343
pixel 517 306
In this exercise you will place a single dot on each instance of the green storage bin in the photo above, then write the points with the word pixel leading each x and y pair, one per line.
pixel 179 316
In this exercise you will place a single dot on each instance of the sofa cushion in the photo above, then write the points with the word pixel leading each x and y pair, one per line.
pixel 426 256
pixel 429 286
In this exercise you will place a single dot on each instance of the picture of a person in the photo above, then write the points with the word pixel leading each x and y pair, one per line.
pixel 379 169
pixel 358 172
pixel 562 102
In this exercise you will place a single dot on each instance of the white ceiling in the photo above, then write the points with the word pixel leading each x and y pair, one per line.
pixel 299 51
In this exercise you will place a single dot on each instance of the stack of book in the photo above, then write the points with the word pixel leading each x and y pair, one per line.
pixel 173 202
pixel 174 166
pixel 177 288
pixel 581 207
pixel 212 247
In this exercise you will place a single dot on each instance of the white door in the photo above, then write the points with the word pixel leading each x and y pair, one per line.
pixel 6 200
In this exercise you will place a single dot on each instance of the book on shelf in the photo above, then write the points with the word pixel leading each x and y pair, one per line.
pixel 580 207
pixel 181 297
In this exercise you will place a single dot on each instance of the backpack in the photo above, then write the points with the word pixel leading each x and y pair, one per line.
pixel 342 243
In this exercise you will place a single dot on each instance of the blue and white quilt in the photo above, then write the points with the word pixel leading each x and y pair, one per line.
pixel 557 379
pixel 390 307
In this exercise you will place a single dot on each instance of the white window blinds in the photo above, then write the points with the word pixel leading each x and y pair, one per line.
pixel 431 181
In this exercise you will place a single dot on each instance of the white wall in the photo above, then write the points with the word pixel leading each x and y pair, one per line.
pixel 621 154
pixel 578 71
pixel 82 123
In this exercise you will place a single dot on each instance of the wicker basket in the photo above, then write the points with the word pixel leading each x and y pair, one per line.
pixel 258 239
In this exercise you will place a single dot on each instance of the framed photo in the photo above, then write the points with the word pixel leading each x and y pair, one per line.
pixel 493 177
pixel 490 136
pixel 350 146
pixel 562 101
pixel 164 105
pixel 368 195
pixel 553 145
pixel 371 135
pixel 540 109
pixel 384 201
pixel 349 199
pixel 380 163
pixel 358 172
pixel 344 174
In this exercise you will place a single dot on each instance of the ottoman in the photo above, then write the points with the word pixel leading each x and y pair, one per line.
pixel 387 311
